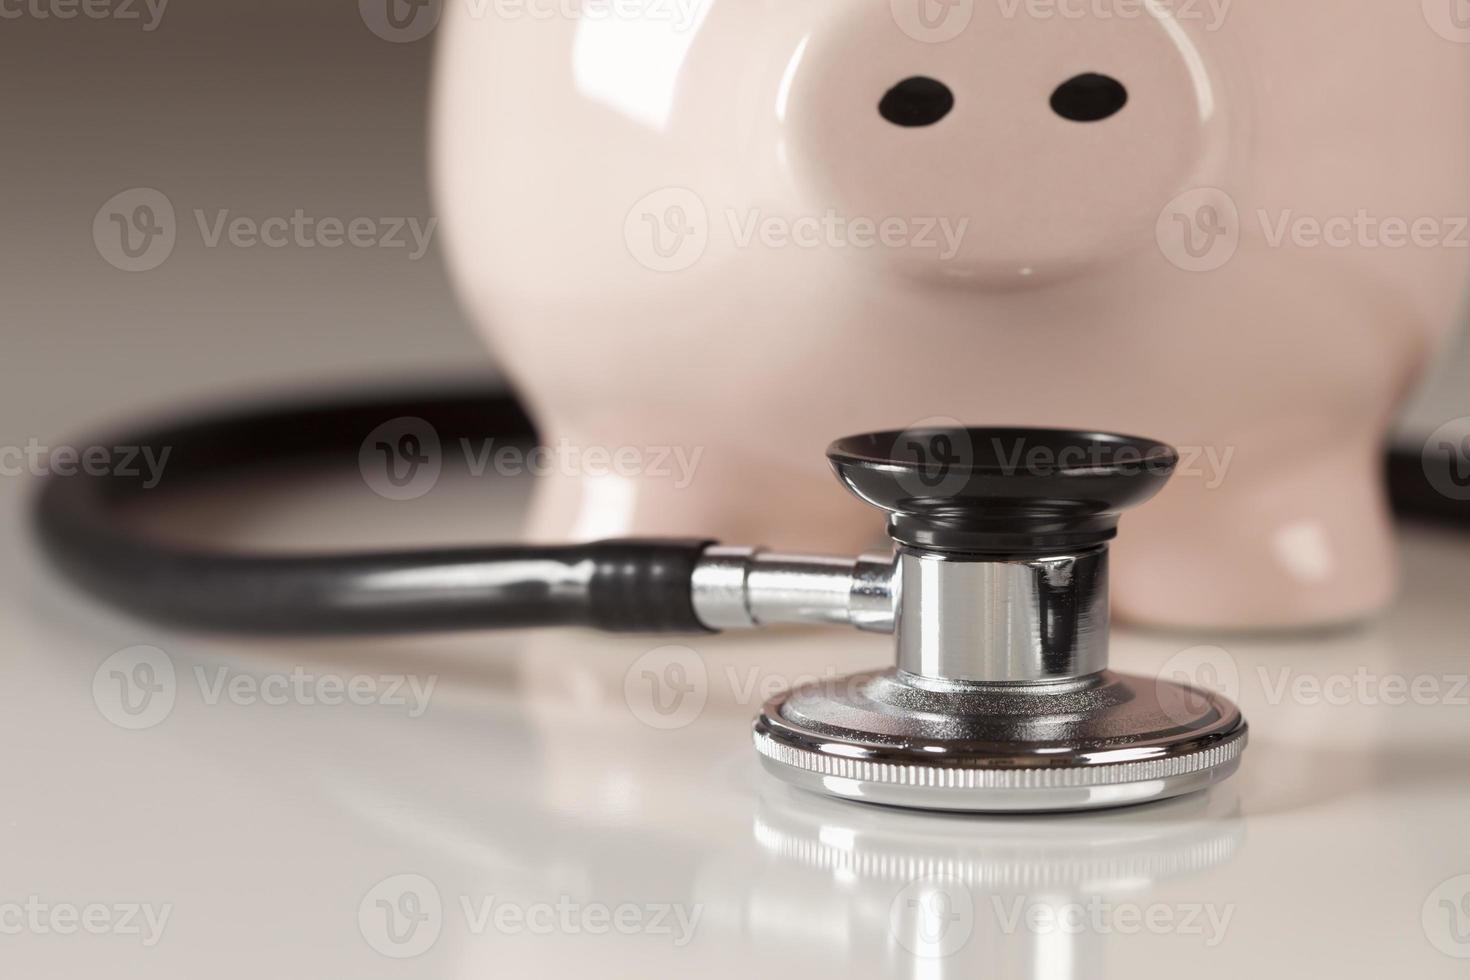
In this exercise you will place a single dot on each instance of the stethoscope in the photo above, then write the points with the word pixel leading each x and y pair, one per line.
pixel 996 592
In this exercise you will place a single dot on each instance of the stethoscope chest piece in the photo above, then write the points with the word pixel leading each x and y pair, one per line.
pixel 996 592
pixel 1001 700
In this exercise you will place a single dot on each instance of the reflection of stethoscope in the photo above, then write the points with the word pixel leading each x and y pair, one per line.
pixel 923 891
pixel 1001 699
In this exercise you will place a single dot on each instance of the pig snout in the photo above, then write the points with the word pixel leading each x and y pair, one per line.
pixel 1043 146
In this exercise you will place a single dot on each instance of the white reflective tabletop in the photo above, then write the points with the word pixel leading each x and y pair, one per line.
pixel 557 803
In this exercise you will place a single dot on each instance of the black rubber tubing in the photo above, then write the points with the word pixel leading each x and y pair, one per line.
pixel 621 586
pixel 82 523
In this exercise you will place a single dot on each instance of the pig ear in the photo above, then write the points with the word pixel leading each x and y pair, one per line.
pixel 916 101
pixel 1089 98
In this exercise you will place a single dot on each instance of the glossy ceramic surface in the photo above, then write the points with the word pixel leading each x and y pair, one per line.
pixel 687 226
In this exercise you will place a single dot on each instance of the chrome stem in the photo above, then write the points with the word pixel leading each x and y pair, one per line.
pixel 958 618
pixel 744 588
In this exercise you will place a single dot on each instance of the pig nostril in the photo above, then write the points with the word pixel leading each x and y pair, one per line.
pixel 1089 98
pixel 916 101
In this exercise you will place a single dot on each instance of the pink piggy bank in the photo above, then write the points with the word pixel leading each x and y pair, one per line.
pixel 706 237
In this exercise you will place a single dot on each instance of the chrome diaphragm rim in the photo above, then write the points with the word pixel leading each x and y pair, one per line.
pixel 1151 762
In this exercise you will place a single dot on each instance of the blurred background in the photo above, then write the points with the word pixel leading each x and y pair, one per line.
pixel 239 110
pixel 257 110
